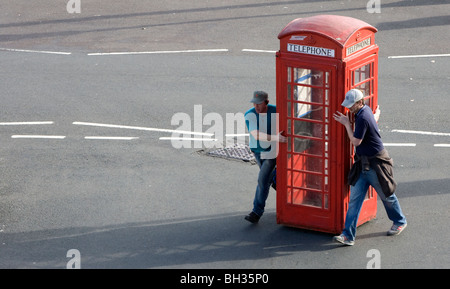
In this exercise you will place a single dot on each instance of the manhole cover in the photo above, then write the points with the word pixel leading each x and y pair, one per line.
pixel 234 152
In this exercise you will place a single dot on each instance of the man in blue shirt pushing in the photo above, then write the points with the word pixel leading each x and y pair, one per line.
pixel 261 122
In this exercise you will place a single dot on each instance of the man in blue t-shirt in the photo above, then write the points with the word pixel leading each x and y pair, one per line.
pixel 261 125
pixel 367 140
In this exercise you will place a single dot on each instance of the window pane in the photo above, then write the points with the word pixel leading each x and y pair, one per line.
pixel 302 76
pixel 289 91
pixel 308 146
pixel 306 163
pixel 308 94
pixel 362 74
pixel 304 197
pixel 309 77
pixel 289 161
pixel 309 129
pixel 309 111
pixel 307 180
pixel 365 88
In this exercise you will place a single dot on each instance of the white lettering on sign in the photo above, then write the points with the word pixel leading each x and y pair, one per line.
pixel 358 46
pixel 310 50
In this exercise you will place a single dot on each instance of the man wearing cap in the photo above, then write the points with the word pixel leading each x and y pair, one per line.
pixel 372 167
pixel 261 125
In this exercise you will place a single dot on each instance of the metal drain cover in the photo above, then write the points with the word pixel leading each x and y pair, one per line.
pixel 235 152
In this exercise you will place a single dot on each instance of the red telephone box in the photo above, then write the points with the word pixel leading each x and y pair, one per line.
pixel 320 59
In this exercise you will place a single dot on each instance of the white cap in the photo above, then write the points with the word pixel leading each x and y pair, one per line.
pixel 352 97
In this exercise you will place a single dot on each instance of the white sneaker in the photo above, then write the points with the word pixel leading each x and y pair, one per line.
pixel 343 240
pixel 396 230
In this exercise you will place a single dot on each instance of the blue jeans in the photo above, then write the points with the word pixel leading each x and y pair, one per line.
pixel 265 177
pixel 357 195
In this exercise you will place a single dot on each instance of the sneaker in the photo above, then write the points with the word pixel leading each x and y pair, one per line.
pixel 343 240
pixel 252 218
pixel 396 230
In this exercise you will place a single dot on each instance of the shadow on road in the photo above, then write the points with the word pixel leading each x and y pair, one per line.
pixel 174 243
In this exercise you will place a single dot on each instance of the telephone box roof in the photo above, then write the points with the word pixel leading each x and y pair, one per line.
pixel 334 27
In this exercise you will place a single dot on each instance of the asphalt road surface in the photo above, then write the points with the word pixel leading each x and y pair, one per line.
pixel 90 178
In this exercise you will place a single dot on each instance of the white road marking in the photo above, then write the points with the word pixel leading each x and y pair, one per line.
pixel 258 50
pixel 181 132
pixel 442 145
pixel 158 52
pixel 188 138
pixel 36 51
pixel 110 138
pixel 399 144
pixel 39 136
pixel 192 51
pixel 236 134
pixel 419 56
pixel 27 123
pixel 421 132
pixel 141 128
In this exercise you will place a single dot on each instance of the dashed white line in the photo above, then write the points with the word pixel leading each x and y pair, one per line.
pixel 158 52
pixel 191 51
pixel 421 132
pixel 141 128
pixel 181 132
pixel 399 144
pixel 188 138
pixel 258 50
pixel 236 134
pixel 442 145
pixel 27 123
pixel 419 56
pixel 36 51
pixel 110 138
pixel 39 136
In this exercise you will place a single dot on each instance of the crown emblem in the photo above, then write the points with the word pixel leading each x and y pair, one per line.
pixel 310 40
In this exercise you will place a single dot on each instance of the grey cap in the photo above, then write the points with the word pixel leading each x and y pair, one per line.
pixel 352 97
pixel 259 97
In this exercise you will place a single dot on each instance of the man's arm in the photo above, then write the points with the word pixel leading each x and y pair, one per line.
pixel 343 119
pixel 261 136
pixel 377 113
